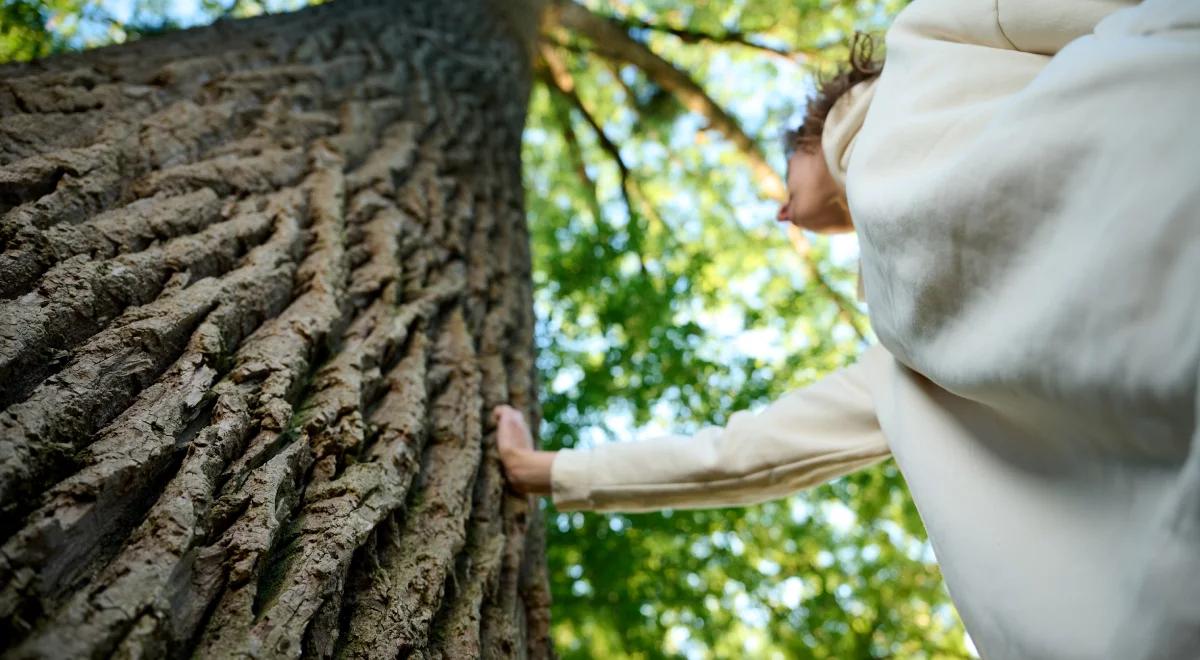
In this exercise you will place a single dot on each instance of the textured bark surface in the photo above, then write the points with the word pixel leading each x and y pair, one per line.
pixel 260 286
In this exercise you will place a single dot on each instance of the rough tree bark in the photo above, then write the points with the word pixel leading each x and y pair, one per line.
pixel 260 285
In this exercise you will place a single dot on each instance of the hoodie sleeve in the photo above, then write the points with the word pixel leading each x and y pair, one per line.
pixel 807 437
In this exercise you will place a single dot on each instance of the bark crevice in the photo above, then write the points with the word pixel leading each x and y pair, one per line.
pixel 260 284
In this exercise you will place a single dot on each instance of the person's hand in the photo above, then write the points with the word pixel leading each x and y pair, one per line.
pixel 513 434
pixel 527 469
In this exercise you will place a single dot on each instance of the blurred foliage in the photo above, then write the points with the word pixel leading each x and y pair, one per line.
pixel 36 28
pixel 668 303
pixel 26 31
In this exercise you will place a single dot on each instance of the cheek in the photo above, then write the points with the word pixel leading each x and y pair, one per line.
pixel 804 190
pixel 808 172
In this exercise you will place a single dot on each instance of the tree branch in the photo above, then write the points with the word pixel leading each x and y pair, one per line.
pixel 690 36
pixel 562 114
pixel 559 80
pixel 611 38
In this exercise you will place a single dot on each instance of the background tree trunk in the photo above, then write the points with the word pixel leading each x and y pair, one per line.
pixel 261 284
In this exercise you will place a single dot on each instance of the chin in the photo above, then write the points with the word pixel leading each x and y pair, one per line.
pixel 825 224
pixel 822 227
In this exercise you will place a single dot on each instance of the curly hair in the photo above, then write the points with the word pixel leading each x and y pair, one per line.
pixel 863 65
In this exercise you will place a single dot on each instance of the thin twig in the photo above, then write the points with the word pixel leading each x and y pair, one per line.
pixel 691 36
pixel 558 79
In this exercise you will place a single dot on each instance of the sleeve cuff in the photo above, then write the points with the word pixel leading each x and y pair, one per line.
pixel 571 480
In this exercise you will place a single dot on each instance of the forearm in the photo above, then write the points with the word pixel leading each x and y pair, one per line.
pixel 707 472
pixel 806 438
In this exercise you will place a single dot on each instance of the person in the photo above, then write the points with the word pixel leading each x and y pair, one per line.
pixel 816 202
pixel 1022 179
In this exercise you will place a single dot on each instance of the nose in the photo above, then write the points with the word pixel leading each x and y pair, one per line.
pixel 782 215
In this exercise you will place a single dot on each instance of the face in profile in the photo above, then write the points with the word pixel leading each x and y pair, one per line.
pixel 815 200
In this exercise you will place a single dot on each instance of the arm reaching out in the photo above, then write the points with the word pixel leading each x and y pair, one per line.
pixel 807 437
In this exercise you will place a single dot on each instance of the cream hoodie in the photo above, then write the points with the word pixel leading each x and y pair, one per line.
pixel 1026 187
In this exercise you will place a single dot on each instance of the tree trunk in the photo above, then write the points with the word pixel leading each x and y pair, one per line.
pixel 260 286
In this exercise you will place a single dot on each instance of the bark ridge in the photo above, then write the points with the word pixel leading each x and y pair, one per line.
pixel 260 285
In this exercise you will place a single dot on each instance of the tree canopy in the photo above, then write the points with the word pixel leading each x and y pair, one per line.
pixel 668 298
